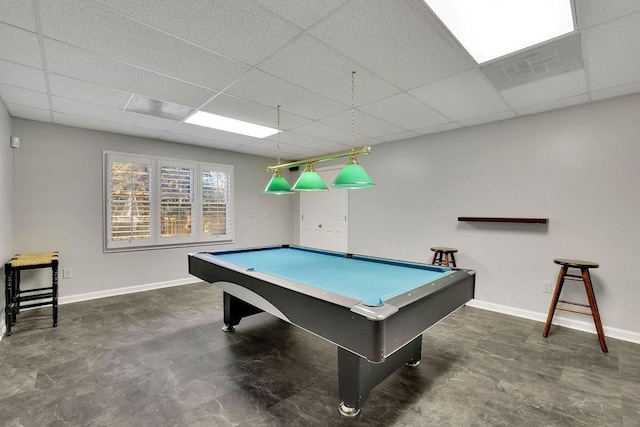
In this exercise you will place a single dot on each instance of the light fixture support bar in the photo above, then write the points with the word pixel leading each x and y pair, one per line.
pixel 354 152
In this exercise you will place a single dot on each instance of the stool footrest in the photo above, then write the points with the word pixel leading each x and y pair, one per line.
pixel 574 303
pixel 573 277
pixel 571 310
pixel 35 304
pixel 35 297
pixel 24 291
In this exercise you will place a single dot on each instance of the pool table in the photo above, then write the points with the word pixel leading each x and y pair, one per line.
pixel 374 309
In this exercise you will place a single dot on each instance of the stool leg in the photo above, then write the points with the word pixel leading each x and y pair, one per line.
pixel 54 289
pixel 8 298
pixel 453 260
pixel 554 300
pixel 15 295
pixel 446 259
pixel 588 286
pixel 435 257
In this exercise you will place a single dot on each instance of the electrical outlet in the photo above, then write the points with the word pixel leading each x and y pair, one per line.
pixel 66 273
pixel 546 286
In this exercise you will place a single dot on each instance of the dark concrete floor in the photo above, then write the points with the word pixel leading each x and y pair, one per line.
pixel 159 358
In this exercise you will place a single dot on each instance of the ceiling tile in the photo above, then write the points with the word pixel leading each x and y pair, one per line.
pixel 266 89
pixel 287 151
pixel 594 12
pixel 461 97
pixel 241 109
pixel 259 150
pixel 325 131
pixel 69 106
pixel 194 140
pixel 436 129
pixel 105 126
pixel 310 63
pixel 545 90
pixel 19 46
pixel 213 134
pixel 30 113
pixel 616 91
pixel 503 115
pixel 21 96
pixel 548 106
pixel 94 27
pixel 303 13
pixel 91 67
pixel 18 13
pixel 405 111
pixel 364 124
pixel 237 29
pixel 67 87
pixel 398 136
pixel 22 76
pixel 405 44
pixel 304 141
pixel 613 52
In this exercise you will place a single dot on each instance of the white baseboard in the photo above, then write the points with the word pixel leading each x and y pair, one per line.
pixel 129 290
pixel 620 334
pixel 579 325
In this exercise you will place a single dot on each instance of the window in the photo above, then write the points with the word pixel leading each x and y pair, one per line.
pixel 156 201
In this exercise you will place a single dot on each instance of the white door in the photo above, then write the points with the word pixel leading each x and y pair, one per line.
pixel 323 216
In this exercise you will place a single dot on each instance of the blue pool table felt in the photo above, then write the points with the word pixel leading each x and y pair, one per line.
pixel 370 280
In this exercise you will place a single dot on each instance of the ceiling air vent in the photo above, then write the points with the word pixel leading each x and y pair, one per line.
pixel 560 55
pixel 157 108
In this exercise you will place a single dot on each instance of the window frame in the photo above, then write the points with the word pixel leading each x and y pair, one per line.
pixel 197 236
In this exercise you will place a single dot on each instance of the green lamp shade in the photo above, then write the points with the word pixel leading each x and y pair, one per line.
pixel 278 184
pixel 310 181
pixel 353 176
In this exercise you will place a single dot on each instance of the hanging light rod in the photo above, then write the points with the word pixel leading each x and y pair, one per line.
pixel 355 152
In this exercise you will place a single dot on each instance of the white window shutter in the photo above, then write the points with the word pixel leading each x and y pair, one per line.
pixel 129 190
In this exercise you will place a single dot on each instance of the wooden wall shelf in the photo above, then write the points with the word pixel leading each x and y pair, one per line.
pixel 492 219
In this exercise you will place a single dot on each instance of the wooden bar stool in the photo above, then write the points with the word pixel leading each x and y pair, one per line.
pixel 585 277
pixel 17 298
pixel 443 256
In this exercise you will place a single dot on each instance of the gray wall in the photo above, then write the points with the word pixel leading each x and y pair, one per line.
pixel 576 166
pixel 6 199
pixel 579 167
pixel 57 172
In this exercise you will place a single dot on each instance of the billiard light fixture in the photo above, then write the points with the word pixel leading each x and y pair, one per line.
pixel 278 184
pixel 351 177
pixel 310 180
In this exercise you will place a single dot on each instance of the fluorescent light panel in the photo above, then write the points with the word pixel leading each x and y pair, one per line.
pixel 492 28
pixel 226 124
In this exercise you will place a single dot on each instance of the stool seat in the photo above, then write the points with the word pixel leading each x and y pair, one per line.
pixel 585 278
pixel 444 256
pixel 576 263
pixel 444 249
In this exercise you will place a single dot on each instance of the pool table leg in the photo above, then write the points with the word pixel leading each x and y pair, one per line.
pixel 234 310
pixel 357 376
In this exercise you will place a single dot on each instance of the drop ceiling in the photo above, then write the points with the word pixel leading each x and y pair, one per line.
pixel 81 63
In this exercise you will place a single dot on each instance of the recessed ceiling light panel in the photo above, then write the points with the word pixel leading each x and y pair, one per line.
pixel 157 108
pixel 226 124
pixel 493 28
